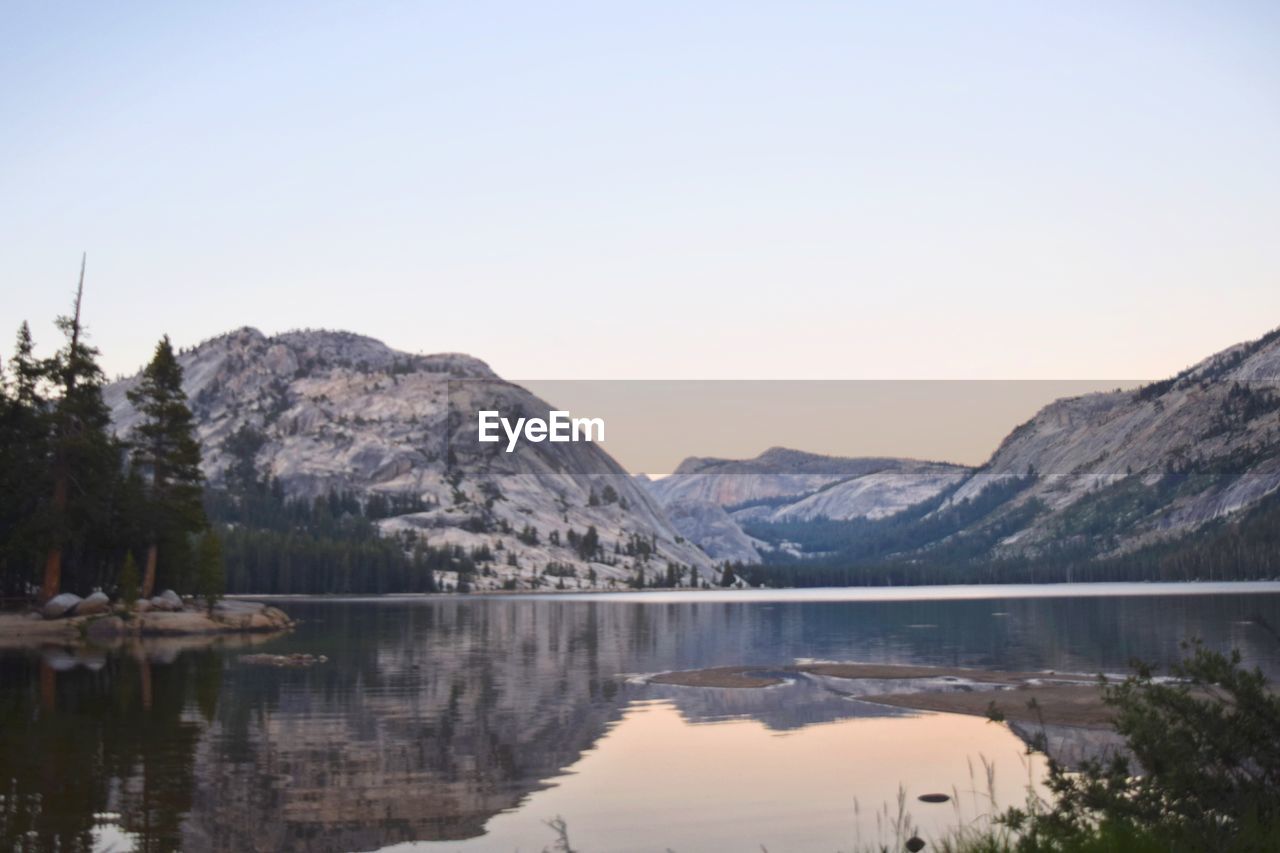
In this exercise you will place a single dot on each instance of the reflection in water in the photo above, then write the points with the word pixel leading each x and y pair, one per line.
pixel 656 782
pixel 452 719
pixel 119 740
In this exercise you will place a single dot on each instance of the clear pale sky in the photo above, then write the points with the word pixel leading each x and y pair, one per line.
pixel 653 190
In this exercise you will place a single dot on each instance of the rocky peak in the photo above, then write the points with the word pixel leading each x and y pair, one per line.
pixel 344 412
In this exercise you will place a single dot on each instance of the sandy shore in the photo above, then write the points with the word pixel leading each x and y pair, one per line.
pixel 1059 699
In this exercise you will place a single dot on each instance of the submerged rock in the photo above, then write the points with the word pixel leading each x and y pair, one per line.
pixel 60 605
pixel 93 605
pixel 293 660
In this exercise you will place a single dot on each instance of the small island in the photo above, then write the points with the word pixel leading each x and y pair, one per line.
pixel 70 620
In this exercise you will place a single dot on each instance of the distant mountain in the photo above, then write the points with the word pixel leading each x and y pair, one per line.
pixel 1178 479
pixel 790 485
pixel 1119 471
pixel 339 412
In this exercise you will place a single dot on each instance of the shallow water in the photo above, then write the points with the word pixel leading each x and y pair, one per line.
pixel 466 723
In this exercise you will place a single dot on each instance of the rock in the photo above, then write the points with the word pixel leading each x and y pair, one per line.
pixel 250 616
pixel 93 605
pixel 167 601
pixel 60 606
pixel 142 606
pixel 293 660
pixel 712 528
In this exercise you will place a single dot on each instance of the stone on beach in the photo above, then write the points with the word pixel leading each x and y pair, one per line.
pixel 94 604
pixel 168 601
pixel 61 605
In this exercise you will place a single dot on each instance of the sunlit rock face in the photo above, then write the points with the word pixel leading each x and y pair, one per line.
pixel 714 530
pixel 346 413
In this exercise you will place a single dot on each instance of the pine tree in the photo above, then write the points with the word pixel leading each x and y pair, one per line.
pixel 85 458
pixel 24 468
pixel 211 576
pixel 727 576
pixel 166 451
pixel 26 369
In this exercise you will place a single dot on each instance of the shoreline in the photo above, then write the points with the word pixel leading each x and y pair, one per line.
pixel 910 592
pixel 29 629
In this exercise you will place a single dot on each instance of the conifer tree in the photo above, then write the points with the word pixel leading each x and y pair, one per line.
pixel 24 469
pixel 85 458
pixel 211 576
pixel 727 576
pixel 166 451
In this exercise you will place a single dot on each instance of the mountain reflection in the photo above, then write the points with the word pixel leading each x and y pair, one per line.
pixel 431 717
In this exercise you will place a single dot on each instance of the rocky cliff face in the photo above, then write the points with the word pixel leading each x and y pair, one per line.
pixel 346 413
pixel 1133 467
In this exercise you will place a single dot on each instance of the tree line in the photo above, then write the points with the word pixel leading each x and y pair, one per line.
pixel 81 508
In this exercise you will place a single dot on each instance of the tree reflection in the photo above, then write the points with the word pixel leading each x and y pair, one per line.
pixel 82 739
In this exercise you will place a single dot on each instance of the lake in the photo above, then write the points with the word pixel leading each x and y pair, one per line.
pixel 469 723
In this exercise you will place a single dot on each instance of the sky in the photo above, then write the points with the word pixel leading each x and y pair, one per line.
pixel 658 190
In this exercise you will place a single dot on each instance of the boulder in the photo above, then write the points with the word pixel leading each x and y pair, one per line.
pixel 93 605
pixel 167 601
pixel 60 606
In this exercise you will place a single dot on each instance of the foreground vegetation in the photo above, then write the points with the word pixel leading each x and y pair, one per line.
pixel 1201 772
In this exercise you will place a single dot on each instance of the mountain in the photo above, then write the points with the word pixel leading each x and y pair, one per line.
pixel 709 499
pixel 1122 470
pixel 335 412
pixel 1178 479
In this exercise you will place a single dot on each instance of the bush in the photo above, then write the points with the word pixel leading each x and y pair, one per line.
pixel 1203 771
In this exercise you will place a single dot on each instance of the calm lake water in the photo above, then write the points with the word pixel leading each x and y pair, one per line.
pixel 459 723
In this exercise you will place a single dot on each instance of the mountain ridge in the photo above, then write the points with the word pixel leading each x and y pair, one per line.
pixel 342 412
pixel 1093 477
